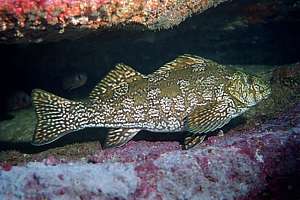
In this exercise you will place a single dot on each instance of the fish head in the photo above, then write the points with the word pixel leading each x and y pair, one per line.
pixel 74 81
pixel 248 89
pixel 81 78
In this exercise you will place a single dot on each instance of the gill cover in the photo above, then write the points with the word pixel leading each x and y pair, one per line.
pixel 247 89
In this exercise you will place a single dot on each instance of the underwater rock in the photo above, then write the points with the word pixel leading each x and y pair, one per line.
pixel 239 165
pixel 45 20
pixel 287 75
pixel 14 101
pixel 18 129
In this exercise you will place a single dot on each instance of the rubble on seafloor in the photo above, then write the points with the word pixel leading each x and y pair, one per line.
pixel 240 165
pixel 35 21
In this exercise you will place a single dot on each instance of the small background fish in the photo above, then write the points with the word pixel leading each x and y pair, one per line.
pixel 18 100
pixel 74 81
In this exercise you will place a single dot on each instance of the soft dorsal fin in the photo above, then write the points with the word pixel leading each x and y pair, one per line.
pixel 181 62
pixel 116 82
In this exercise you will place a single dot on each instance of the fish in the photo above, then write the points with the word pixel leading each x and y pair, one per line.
pixel 287 75
pixel 74 81
pixel 191 95
pixel 18 100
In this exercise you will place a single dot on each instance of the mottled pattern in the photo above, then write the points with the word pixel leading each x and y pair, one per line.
pixel 167 97
pixel 162 100
pixel 188 94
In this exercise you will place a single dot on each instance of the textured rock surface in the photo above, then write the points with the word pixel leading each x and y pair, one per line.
pixel 20 128
pixel 236 166
pixel 38 20
pixel 71 181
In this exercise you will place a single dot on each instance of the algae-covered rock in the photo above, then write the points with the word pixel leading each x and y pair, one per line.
pixel 285 93
pixel 20 128
pixel 37 21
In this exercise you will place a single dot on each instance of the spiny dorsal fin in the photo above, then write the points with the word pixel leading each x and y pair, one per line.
pixel 181 62
pixel 119 137
pixel 116 82
pixel 209 117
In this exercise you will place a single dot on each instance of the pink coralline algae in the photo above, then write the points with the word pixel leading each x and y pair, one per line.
pixel 6 167
pixel 238 165
pixel 38 20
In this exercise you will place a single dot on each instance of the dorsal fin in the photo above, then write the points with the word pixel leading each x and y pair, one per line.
pixel 181 62
pixel 116 82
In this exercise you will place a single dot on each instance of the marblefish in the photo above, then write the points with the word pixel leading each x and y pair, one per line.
pixel 191 95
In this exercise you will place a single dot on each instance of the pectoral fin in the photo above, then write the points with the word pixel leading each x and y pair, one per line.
pixel 192 140
pixel 208 118
pixel 118 137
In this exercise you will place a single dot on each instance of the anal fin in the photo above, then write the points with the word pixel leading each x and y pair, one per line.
pixel 119 137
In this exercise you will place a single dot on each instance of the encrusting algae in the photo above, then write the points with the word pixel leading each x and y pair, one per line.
pixel 191 95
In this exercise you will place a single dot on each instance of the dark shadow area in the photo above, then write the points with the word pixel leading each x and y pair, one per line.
pixel 284 183
pixel 88 135
pixel 282 187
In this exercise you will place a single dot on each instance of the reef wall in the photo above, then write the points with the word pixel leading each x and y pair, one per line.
pixel 48 20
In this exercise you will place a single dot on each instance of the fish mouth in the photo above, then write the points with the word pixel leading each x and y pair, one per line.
pixel 253 103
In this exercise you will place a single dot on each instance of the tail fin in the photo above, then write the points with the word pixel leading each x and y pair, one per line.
pixel 56 116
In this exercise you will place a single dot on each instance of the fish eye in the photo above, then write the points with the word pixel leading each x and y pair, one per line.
pixel 80 77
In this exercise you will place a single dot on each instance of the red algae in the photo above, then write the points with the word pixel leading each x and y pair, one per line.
pixel 19 19
pixel 134 152
pixel 6 167
pixel 148 174
pixel 258 12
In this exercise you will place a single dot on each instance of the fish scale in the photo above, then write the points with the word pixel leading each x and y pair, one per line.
pixel 190 94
